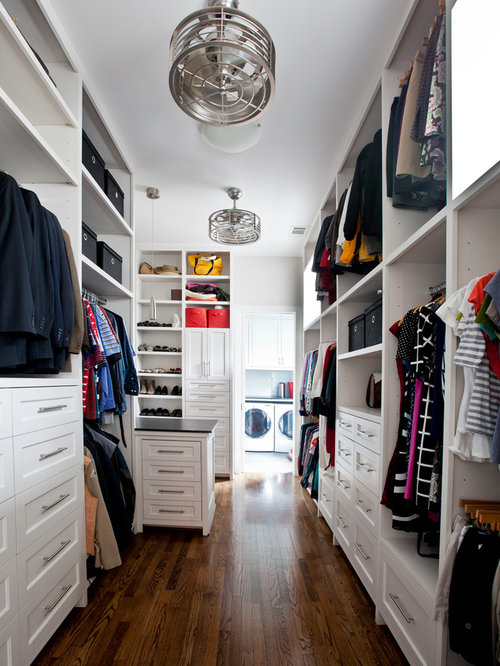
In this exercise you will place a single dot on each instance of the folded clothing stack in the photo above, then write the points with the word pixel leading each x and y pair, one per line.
pixel 205 291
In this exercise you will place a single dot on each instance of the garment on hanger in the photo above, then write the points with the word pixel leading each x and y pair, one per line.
pixel 413 485
pixel 37 306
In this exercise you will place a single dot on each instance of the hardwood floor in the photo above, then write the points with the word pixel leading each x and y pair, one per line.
pixel 265 588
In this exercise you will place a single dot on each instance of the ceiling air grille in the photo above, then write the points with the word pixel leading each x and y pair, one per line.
pixel 298 231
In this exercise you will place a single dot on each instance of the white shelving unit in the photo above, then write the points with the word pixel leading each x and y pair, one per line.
pixel 420 249
pixel 215 340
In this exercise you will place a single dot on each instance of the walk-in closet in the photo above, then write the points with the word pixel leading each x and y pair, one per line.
pixel 249 343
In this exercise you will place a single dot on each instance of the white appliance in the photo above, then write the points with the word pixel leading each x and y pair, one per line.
pixel 259 426
pixel 283 426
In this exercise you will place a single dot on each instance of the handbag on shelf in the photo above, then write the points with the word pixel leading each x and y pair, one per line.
pixel 204 264
pixel 374 390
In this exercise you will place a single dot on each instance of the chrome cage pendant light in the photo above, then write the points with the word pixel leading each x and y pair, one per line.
pixel 222 65
pixel 233 226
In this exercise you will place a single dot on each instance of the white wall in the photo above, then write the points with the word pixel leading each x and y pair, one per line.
pixel 265 281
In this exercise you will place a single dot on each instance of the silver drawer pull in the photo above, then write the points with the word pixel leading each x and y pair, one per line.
pixel 49 558
pixel 344 452
pixel 366 466
pixel 178 492
pixel 343 485
pixel 342 524
pixel 364 432
pixel 46 507
pixel 400 608
pixel 345 425
pixel 171 471
pixel 205 409
pixel 169 451
pixel 54 408
pixel 64 592
pixel 360 503
pixel 362 552
pixel 43 456
pixel 325 498
pixel 171 511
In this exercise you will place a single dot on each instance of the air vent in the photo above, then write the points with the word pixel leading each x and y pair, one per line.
pixel 298 231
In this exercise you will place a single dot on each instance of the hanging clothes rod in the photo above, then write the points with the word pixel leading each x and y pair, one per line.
pixel 438 288
pixel 93 298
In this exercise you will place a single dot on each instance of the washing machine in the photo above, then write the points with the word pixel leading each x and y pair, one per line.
pixel 259 426
pixel 283 426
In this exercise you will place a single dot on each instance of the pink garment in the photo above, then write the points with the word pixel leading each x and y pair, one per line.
pixel 413 440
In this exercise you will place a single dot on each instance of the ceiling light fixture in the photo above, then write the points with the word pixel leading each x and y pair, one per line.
pixel 233 226
pixel 222 65
pixel 231 138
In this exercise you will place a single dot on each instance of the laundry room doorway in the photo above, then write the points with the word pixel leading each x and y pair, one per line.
pixel 268 379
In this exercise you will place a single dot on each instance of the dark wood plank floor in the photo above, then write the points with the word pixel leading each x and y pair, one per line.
pixel 265 588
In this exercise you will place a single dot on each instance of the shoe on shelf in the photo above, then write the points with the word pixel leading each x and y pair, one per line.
pixel 144 386
pixel 145 412
pixel 152 387
pixel 164 390
pixel 142 347
pixel 165 412
pixel 177 412
pixel 158 411
pixel 175 391
pixel 158 390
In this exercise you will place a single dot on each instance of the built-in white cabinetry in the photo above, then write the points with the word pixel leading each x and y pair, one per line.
pixel 268 339
pixel 207 354
pixel 421 248
pixel 42 521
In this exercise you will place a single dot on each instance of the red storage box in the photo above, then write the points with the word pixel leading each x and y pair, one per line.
pixel 218 318
pixel 196 318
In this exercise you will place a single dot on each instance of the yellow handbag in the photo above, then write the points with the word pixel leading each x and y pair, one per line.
pixel 205 264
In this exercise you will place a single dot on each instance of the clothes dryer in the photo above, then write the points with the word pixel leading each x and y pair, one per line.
pixel 283 427
pixel 259 426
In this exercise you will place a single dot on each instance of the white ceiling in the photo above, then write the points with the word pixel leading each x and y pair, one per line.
pixel 328 56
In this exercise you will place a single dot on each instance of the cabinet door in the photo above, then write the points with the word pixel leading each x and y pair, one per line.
pixel 195 353
pixel 287 341
pixel 266 341
pixel 249 340
pixel 217 354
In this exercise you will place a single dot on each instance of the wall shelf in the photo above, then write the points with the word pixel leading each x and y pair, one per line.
pixel 99 282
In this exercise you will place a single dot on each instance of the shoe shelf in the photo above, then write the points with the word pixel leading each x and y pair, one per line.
pixel 148 396
pixel 158 353
pixel 158 329
pixel 152 375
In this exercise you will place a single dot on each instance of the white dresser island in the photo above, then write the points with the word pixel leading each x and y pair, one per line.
pixel 175 473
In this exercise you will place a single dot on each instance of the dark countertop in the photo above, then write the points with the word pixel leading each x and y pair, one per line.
pixel 277 400
pixel 160 423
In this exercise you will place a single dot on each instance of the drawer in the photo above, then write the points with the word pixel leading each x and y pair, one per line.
pixel 44 506
pixel 168 513
pixel 342 523
pixel 7 530
pixel 208 396
pixel 10 654
pixel 37 408
pixel 366 467
pixel 325 499
pixel 156 491
pixel 45 612
pixel 366 507
pixel 364 560
pixel 407 618
pixel 221 441
pixel 344 452
pixel 40 563
pixel 42 454
pixel 5 413
pixel 6 468
pixel 153 449
pixel 9 602
pixel 368 434
pixel 345 424
pixel 207 386
pixel 223 424
pixel 344 482
pixel 171 471
pixel 206 409
pixel 222 464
